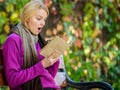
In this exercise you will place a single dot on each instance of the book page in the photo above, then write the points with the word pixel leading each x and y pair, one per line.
pixel 57 44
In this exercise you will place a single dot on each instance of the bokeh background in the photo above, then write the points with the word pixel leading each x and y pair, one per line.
pixel 91 26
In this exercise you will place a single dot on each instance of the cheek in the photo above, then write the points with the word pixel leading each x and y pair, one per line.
pixel 31 23
pixel 34 23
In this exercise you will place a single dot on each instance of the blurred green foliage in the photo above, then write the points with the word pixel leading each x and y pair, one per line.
pixel 93 27
pixel 9 15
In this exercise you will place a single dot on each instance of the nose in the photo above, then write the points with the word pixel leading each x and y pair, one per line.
pixel 42 23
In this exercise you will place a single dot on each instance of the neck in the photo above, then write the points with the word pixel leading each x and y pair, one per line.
pixel 35 37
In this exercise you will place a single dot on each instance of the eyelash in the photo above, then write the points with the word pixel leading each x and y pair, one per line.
pixel 40 19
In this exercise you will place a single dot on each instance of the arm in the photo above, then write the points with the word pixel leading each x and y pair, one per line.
pixel 13 62
pixel 54 68
pixel 51 63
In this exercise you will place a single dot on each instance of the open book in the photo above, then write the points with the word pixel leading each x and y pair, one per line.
pixel 57 44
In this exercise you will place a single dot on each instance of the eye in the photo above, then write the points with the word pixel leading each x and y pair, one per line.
pixel 38 18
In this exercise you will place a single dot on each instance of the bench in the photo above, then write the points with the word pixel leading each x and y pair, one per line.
pixel 91 85
pixel 3 81
pixel 65 85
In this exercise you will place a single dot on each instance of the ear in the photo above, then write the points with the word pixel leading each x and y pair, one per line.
pixel 27 21
pixel 26 24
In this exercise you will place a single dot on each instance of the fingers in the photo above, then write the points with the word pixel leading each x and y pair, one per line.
pixel 48 61
pixel 52 61
pixel 53 55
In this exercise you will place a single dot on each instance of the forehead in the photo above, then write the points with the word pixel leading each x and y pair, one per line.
pixel 41 12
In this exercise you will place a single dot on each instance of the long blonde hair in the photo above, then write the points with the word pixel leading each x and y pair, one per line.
pixel 30 55
pixel 30 9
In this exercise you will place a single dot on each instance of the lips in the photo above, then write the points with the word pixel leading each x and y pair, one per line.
pixel 39 29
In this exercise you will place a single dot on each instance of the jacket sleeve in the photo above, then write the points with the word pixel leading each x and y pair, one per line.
pixel 54 68
pixel 13 62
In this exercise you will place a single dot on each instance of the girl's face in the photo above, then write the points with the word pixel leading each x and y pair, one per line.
pixel 37 21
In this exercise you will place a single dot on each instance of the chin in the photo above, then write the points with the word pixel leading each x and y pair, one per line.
pixel 36 33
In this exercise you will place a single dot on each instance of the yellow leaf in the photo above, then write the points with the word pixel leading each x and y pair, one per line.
pixel 9 7
pixel 14 16
pixel 7 28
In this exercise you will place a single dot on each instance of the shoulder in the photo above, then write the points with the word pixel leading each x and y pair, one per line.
pixel 13 39
pixel 14 36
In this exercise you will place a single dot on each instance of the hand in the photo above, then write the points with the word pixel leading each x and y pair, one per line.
pixel 48 61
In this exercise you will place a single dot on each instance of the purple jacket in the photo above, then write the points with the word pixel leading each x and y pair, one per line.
pixel 13 54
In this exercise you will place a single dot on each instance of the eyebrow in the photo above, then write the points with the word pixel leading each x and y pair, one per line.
pixel 40 16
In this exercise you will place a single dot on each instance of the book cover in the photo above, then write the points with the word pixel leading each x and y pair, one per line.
pixel 57 44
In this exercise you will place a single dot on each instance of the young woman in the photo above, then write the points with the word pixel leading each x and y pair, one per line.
pixel 25 68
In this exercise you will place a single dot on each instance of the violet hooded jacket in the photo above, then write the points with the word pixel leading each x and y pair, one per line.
pixel 13 55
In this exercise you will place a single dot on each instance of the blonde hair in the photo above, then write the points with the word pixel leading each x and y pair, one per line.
pixel 30 9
